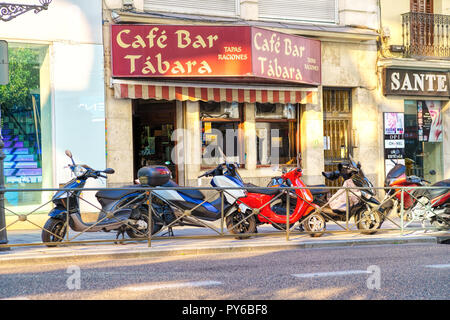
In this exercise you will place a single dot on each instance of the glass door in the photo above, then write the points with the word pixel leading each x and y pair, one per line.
pixel 423 139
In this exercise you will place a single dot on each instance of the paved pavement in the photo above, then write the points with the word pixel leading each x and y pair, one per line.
pixel 381 272
pixel 99 246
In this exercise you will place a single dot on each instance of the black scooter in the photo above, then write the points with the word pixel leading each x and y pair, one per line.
pixel 122 210
pixel 367 212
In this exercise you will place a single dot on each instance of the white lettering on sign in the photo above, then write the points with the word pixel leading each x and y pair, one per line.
pixel 389 144
pixel 441 85
pixel 418 82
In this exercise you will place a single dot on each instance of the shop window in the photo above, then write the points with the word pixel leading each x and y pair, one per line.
pixel 276 133
pixel 423 139
pixel 221 132
pixel 26 124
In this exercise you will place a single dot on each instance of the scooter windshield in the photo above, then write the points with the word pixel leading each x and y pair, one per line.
pixel 397 171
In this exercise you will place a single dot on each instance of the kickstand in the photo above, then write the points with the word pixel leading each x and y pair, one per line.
pixel 169 232
pixel 120 231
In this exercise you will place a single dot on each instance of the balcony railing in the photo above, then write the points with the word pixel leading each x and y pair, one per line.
pixel 426 35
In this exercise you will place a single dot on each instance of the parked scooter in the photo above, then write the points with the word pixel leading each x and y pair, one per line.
pixel 431 205
pixel 363 205
pixel 171 205
pixel 274 211
pixel 397 177
pixel 122 210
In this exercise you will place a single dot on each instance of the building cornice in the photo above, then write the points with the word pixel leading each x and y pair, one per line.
pixel 406 63
pixel 321 32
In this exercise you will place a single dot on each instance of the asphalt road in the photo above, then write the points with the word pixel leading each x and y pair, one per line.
pixel 419 271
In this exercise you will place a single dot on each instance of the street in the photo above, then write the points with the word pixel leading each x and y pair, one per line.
pixel 408 271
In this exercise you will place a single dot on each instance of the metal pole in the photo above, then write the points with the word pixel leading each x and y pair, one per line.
pixel 288 209
pixel 347 208
pixel 149 220
pixel 3 234
pixel 402 209
pixel 221 212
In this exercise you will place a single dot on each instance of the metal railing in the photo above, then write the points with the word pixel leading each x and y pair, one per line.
pixel 426 35
pixel 391 209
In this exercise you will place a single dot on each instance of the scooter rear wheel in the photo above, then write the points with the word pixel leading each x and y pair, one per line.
pixel 368 221
pixel 134 232
pixel 54 231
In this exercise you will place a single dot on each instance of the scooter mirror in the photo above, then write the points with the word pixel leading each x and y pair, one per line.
pixel 109 171
pixel 68 153
pixel 432 172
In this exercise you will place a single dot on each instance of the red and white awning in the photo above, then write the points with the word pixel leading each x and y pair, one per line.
pixel 124 89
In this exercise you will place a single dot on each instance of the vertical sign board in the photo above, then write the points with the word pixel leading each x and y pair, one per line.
pixel 286 57
pixel 394 139
pixel 4 70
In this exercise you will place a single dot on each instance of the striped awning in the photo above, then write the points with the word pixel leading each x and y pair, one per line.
pixel 195 92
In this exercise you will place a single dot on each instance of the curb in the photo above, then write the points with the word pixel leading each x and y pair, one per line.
pixel 74 257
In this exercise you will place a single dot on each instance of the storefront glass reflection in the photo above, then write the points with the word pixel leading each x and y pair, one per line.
pixel 25 108
pixel 423 139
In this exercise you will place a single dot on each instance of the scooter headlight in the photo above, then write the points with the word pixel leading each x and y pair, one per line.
pixel 78 171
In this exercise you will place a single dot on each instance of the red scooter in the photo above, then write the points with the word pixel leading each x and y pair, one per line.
pixel 431 205
pixel 271 204
pixel 397 177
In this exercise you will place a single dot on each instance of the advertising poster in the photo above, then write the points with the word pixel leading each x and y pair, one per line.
pixel 394 139
pixel 429 121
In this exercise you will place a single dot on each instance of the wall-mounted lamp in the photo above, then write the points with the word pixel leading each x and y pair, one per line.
pixel 9 11
pixel 396 48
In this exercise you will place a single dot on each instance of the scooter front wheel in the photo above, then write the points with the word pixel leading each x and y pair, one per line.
pixel 54 231
pixel 238 223
pixel 315 224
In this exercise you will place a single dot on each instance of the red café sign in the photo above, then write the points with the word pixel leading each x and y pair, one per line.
pixel 212 51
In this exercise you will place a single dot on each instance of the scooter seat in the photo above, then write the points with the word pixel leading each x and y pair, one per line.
pixel 195 194
pixel 318 191
pixel 268 191
pixel 116 194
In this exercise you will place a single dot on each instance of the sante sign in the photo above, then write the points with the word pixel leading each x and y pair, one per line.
pixel 416 83
pixel 212 51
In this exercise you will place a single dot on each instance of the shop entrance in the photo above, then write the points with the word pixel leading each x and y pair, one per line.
pixel 153 125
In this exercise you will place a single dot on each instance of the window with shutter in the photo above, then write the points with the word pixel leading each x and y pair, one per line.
pixel 202 7
pixel 324 11
pixel 422 23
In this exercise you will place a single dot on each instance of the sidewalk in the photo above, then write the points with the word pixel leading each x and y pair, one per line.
pixel 272 240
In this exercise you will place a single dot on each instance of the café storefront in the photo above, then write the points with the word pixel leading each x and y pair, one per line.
pixel 201 92
pixel 414 135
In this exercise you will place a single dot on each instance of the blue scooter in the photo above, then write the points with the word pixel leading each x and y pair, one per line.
pixel 170 205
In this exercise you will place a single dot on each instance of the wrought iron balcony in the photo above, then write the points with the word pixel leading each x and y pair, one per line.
pixel 426 35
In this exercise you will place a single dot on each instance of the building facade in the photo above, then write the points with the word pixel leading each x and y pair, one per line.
pixel 54 101
pixel 127 83
pixel 414 88
pixel 322 119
